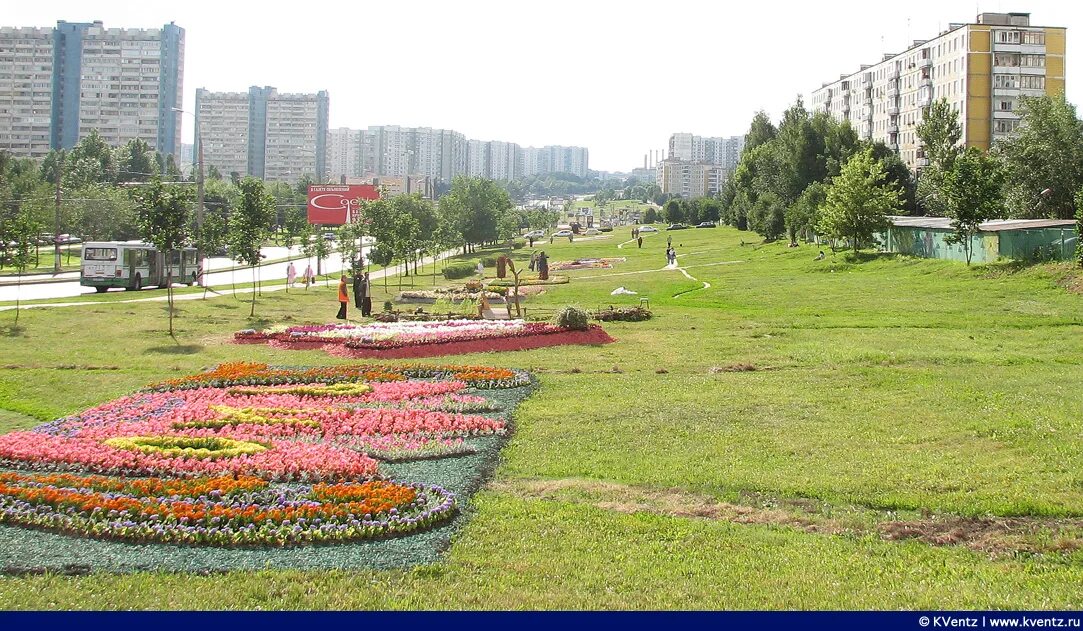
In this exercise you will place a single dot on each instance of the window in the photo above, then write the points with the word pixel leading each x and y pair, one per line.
pixel 1006 126
pixel 1005 106
pixel 1032 61
pixel 1007 37
pixel 1032 82
pixel 1009 81
pixel 100 254
pixel 1034 38
pixel 1006 59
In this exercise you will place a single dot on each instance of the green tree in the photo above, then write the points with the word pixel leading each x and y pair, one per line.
pixel 973 193
pixel 91 161
pixel 163 222
pixel 313 245
pixel 859 201
pixel 767 216
pixel 473 207
pixel 761 132
pixel 1044 160
pixel 210 238
pixel 939 133
pixel 651 216
pixel 250 226
pixel 1079 226
pixel 136 162
pixel 673 211
pixel 802 215
pixel 20 237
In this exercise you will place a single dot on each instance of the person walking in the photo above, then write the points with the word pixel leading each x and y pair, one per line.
pixel 358 290
pixel 291 275
pixel 309 276
pixel 343 298
pixel 533 260
pixel 639 240
pixel 543 266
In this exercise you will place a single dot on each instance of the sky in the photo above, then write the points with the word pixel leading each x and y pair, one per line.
pixel 615 77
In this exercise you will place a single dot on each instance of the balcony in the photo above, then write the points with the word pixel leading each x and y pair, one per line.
pixel 925 98
pixel 925 62
pixel 922 162
pixel 892 110
pixel 892 128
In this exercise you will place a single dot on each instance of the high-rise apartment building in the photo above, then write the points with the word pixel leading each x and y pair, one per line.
pixel 689 179
pixel 721 151
pixel 344 155
pixel 277 137
pixel 58 84
pixel 981 69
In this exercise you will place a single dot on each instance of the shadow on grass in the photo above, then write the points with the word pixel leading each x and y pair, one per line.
pixel 176 349
pixel 12 330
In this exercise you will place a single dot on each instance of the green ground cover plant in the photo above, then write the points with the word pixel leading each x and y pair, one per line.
pixel 869 391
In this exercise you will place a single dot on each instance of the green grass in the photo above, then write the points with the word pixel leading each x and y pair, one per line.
pixel 882 383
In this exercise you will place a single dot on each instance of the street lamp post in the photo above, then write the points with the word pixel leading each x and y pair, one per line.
pixel 199 196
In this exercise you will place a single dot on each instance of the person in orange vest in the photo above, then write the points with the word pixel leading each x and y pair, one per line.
pixel 343 298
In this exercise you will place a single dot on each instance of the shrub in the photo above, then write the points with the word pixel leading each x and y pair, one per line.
pixel 518 243
pixel 574 318
pixel 489 261
pixel 388 306
pixel 459 270
pixel 624 314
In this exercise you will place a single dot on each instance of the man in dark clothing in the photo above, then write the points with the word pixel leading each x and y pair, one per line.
pixel 358 290
pixel 639 240
pixel 366 299
pixel 543 266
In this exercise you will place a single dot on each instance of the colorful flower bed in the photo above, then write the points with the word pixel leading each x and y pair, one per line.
pixel 219 511
pixel 580 264
pixel 249 454
pixel 402 340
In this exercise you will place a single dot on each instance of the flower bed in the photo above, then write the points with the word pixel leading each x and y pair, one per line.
pixel 622 314
pixel 226 512
pixel 526 280
pixel 402 340
pixel 580 264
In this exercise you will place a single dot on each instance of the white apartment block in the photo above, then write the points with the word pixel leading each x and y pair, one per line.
pixel 981 69
pixel 721 151
pixel 272 136
pixel 223 131
pixel 477 158
pixel 26 90
pixel 688 179
pixel 57 85
pixel 344 155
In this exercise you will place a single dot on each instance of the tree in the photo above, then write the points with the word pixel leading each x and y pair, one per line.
pixel 761 132
pixel 858 201
pixel 296 221
pixel 250 226
pixel 91 161
pixel 163 222
pixel 474 207
pixel 136 162
pixel 767 216
pixel 20 236
pixel 210 238
pixel 673 211
pixel 313 245
pixel 651 216
pixel 1079 226
pixel 973 193
pixel 939 134
pixel 803 214
pixel 1044 160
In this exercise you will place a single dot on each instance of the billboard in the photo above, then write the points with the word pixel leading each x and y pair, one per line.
pixel 338 204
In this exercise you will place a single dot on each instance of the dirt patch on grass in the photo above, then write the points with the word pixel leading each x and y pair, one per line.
pixel 992 535
pixel 733 368
pixel 996 537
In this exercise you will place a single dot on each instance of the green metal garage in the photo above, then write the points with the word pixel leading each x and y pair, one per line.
pixel 1023 239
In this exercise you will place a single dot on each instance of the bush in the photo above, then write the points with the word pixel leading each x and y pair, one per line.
pixel 489 261
pixel 459 270
pixel 624 314
pixel 388 306
pixel 573 318
pixel 518 244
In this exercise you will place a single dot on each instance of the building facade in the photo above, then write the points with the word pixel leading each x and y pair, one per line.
pixel 272 136
pixel 981 69
pixel 344 153
pixel 59 84
pixel 690 180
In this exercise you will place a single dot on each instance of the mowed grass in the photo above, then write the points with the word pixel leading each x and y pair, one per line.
pixel 882 383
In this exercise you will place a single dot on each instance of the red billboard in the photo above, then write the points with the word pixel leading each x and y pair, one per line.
pixel 338 204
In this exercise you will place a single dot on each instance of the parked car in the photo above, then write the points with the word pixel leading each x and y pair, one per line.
pixel 592 231
pixel 67 239
pixel 676 226
pixel 705 224
pixel 563 233
pixel 535 234
pixel 647 229
pixel 329 236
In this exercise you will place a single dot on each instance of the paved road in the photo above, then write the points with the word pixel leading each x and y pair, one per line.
pixel 268 272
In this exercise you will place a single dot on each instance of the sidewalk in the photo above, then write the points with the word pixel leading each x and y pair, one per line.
pixel 390 271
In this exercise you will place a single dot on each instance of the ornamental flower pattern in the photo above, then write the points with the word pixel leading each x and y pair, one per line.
pixel 251 454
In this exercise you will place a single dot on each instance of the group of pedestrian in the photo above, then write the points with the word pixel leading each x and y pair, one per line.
pixel 361 298
pixel 671 256
pixel 308 278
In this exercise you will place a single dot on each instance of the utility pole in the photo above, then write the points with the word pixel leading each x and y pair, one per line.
pixel 56 228
pixel 199 211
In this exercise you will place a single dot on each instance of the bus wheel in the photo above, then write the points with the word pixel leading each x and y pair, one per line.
pixel 101 290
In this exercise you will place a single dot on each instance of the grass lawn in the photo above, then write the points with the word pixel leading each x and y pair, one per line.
pixel 760 443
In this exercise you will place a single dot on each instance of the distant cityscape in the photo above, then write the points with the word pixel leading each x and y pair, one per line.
pixel 59 83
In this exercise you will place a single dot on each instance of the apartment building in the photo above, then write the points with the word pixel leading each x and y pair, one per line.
pixel 344 155
pixel 982 69
pixel 58 84
pixel 689 179
pixel 721 151
pixel 262 133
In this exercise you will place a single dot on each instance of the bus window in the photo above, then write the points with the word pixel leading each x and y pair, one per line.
pixel 99 254
pixel 189 257
pixel 174 258
pixel 139 258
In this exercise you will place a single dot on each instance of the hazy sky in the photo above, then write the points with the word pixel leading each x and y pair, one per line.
pixel 615 77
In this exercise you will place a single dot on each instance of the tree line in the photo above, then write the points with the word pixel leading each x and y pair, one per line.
pixel 811 174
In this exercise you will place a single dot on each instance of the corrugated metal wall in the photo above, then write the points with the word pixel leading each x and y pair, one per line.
pixel 1037 244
